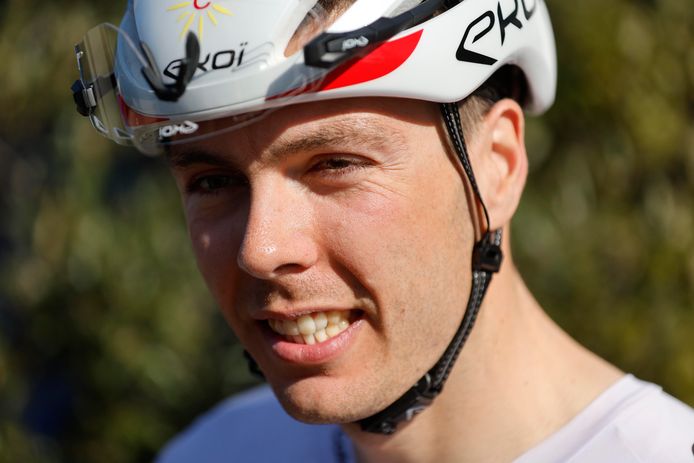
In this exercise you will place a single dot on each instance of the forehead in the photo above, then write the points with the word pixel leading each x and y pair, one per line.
pixel 374 123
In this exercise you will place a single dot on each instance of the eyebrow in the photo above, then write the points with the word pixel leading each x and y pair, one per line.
pixel 181 160
pixel 363 132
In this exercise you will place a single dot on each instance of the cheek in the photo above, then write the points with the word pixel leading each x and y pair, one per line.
pixel 216 244
pixel 363 228
pixel 403 247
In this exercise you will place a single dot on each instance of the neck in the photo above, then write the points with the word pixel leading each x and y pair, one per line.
pixel 518 379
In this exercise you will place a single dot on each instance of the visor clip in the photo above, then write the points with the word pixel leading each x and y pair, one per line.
pixel 84 98
pixel 172 92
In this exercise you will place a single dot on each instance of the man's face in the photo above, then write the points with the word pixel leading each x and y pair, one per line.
pixel 350 209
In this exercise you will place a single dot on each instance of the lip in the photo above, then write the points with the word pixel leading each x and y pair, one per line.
pixel 304 354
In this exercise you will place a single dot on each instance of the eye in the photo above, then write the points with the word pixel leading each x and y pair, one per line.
pixel 336 163
pixel 339 165
pixel 214 184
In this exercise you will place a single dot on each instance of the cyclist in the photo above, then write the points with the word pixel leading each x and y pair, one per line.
pixel 348 170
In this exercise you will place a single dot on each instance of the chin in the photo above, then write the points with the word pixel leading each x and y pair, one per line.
pixel 310 401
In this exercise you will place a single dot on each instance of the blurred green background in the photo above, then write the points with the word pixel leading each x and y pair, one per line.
pixel 109 343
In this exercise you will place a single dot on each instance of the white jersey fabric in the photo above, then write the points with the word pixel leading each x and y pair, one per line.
pixel 631 422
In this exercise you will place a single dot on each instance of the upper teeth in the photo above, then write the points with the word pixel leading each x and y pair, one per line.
pixel 312 328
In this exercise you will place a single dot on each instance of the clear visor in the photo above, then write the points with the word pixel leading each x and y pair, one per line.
pixel 110 114
pixel 99 90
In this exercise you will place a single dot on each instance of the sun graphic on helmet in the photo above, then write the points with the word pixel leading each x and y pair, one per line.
pixel 204 8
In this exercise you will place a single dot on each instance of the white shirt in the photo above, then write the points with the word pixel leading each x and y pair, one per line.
pixel 631 422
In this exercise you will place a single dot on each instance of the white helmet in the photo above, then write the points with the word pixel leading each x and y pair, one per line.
pixel 175 63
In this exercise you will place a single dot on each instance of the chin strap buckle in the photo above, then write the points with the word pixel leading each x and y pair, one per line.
pixel 487 255
pixel 411 404
pixel 425 396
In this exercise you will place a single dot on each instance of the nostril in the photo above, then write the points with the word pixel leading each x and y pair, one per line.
pixel 289 269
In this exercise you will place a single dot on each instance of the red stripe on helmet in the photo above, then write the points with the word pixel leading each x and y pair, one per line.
pixel 383 60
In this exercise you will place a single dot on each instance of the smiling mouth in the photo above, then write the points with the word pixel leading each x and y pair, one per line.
pixel 314 328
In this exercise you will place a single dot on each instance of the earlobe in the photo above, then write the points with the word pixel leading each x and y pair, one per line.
pixel 504 161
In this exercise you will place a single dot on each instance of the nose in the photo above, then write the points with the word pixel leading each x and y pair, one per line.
pixel 278 238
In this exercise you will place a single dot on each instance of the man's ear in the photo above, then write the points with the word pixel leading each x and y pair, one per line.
pixel 500 160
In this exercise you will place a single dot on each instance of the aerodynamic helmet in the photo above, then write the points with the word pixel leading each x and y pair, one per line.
pixel 173 64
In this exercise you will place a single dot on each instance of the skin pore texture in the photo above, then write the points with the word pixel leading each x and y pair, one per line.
pixel 358 206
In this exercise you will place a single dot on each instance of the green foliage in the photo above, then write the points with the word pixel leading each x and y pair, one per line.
pixel 604 234
pixel 109 342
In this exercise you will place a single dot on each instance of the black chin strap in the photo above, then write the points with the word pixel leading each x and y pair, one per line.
pixel 486 260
